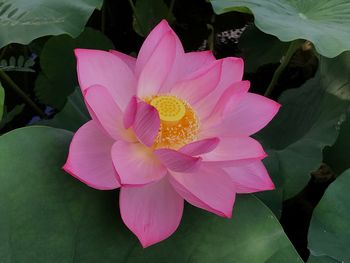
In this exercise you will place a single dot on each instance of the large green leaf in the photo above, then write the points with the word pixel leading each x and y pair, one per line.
pixel 21 21
pixel 2 101
pixel 321 259
pixel 325 23
pixel 330 223
pixel 58 78
pixel 48 216
pixel 307 122
pixel 337 156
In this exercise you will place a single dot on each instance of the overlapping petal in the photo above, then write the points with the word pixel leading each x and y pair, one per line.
pixel 207 188
pixel 199 84
pixel 232 72
pixel 106 112
pixel 250 178
pixel 193 61
pixel 97 67
pixel 136 164
pixel 178 161
pixel 89 158
pixel 252 114
pixel 152 212
pixel 200 147
pixel 128 60
pixel 227 103
pixel 235 151
pixel 146 123
pixel 150 44
pixel 158 67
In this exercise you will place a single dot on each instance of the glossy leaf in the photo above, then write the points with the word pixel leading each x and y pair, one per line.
pixel 308 121
pixel 22 21
pixel 58 78
pixel 48 216
pixel 328 233
pixel 325 23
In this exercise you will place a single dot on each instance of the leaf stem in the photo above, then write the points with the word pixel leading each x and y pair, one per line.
pixel 171 7
pixel 20 93
pixel 137 18
pixel 103 16
pixel 294 45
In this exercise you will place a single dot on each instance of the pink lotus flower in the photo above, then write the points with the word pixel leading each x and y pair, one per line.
pixel 165 127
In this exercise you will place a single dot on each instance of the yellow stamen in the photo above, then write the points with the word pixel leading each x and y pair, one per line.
pixel 179 124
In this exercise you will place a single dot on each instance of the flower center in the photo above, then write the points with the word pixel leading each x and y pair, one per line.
pixel 179 124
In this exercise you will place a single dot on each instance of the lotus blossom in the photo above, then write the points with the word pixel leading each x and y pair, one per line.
pixel 168 126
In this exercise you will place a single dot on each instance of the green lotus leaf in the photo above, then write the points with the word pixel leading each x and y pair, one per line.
pixel 325 23
pixel 22 21
pixel 328 233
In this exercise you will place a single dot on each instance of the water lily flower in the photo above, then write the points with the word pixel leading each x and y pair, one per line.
pixel 166 127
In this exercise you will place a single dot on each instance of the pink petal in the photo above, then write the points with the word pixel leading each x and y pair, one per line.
pixel 250 178
pixel 157 67
pixel 232 72
pixel 106 112
pixel 146 124
pixel 252 114
pixel 228 101
pixel 97 67
pixel 200 147
pixel 199 84
pixel 177 161
pixel 89 158
pixel 136 164
pixel 150 44
pixel 130 113
pixel 195 60
pixel 233 150
pixel 128 60
pixel 152 212
pixel 207 188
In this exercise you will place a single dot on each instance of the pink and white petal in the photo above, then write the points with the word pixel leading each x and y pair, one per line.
pixel 130 113
pixel 89 159
pixel 199 84
pixel 178 71
pixel 106 112
pixel 146 124
pixel 158 67
pixel 177 161
pixel 208 188
pixel 152 212
pixel 128 60
pixel 251 115
pixel 200 147
pixel 97 67
pixel 195 60
pixel 250 178
pixel 229 100
pixel 232 72
pixel 150 44
pixel 234 151
pixel 136 164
